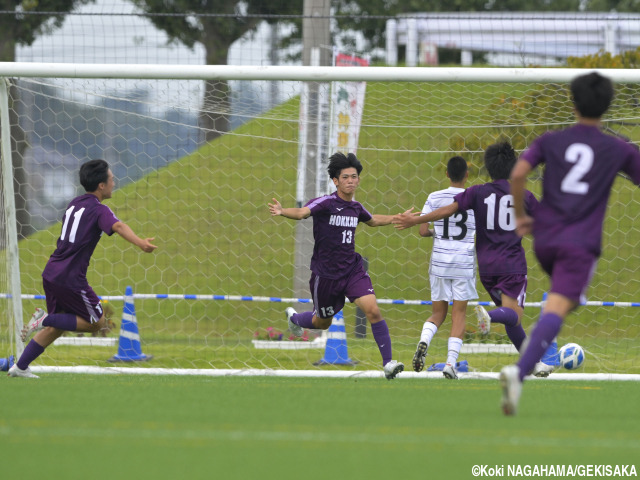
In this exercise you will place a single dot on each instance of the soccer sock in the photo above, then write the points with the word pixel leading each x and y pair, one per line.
pixel 381 335
pixel 504 315
pixel 303 319
pixel 516 334
pixel 541 337
pixel 32 351
pixel 455 344
pixel 62 321
pixel 429 329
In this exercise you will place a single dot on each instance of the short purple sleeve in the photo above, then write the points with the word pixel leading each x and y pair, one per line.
pixel 364 215
pixel 465 199
pixel 530 203
pixel 632 164
pixel 106 219
pixel 533 154
pixel 319 205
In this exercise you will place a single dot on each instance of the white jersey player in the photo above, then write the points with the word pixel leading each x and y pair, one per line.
pixel 452 270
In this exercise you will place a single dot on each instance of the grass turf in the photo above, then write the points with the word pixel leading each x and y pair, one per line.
pixel 99 427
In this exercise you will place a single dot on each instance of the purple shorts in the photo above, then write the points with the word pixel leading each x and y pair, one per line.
pixel 84 302
pixel 328 294
pixel 570 268
pixel 514 286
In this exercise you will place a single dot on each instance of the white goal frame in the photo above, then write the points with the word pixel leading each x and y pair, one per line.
pixel 230 72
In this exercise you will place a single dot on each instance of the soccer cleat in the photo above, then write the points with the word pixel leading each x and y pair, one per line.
pixel 392 369
pixel 418 357
pixel 542 370
pixel 449 371
pixel 14 371
pixel 484 320
pixel 34 324
pixel 511 389
pixel 296 330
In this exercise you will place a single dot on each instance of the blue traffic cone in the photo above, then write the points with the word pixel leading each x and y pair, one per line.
pixel 551 356
pixel 129 349
pixel 335 351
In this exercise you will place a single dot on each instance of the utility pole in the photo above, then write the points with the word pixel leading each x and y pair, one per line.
pixel 316 39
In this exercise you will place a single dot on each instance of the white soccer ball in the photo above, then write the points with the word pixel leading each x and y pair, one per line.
pixel 571 356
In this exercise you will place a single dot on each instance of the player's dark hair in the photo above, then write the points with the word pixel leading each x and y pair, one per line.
pixel 499 159
pixel 457 168
pixel 592 94
pixel 93 173
pixel 339 161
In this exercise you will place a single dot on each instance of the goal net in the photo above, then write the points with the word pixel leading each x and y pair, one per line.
pixel 214 293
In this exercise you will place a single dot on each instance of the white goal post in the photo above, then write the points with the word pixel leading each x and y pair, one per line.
pixel 213 295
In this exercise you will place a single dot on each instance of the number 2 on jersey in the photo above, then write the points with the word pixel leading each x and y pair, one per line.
pixel 74 227
pixel 581 156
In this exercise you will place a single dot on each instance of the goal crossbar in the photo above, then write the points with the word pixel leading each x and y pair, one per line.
pixel 303 73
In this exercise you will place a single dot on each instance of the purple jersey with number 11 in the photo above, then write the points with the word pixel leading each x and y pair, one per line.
pixel 581 165
pixel 334 231
pixel 85 219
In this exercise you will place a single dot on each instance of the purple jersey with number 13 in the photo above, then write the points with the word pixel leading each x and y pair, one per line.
pixel 334 231
pixel 581 165
pixel 84 221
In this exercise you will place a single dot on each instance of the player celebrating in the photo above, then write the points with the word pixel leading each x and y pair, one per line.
pixel 336 268
pixel 72 305
pixel 501 258
pixel 581 164
pixel 452 269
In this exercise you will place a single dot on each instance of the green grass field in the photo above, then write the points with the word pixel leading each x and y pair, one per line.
pixel 66 426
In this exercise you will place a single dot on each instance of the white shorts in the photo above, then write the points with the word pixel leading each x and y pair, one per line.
pixel 449 289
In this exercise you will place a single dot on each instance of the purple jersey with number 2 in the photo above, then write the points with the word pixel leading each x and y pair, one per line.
pixel 334 231
pixel 84 221
pixel 581 165
pixel 498 247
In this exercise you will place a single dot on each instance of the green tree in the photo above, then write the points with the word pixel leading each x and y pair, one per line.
pixel 185 21
pixel 21 27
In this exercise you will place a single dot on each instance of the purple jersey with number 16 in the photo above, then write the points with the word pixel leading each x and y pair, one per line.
pixel 581 165
pixel 334 231
pixel 84 222
pixel 498 247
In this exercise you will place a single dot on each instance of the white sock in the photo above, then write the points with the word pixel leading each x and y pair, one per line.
pixel 429 329
pixel 455 344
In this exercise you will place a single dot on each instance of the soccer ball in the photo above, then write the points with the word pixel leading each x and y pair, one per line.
pixel 571 356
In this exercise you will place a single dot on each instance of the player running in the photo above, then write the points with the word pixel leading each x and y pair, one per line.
pixel 581 164
pixel 72 305
pixel 336 268
pixel 501 258
pixel 452 268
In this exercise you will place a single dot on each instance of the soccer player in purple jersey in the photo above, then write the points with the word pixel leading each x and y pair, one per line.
pixel 72 305
pixel 501 258
pixel 581 163
pixel 336 268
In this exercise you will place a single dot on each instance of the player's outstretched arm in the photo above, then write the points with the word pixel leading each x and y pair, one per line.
pixel 409 219
pixel 125 232
pixel 294 213
pixel 382 220
pixel 524 223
